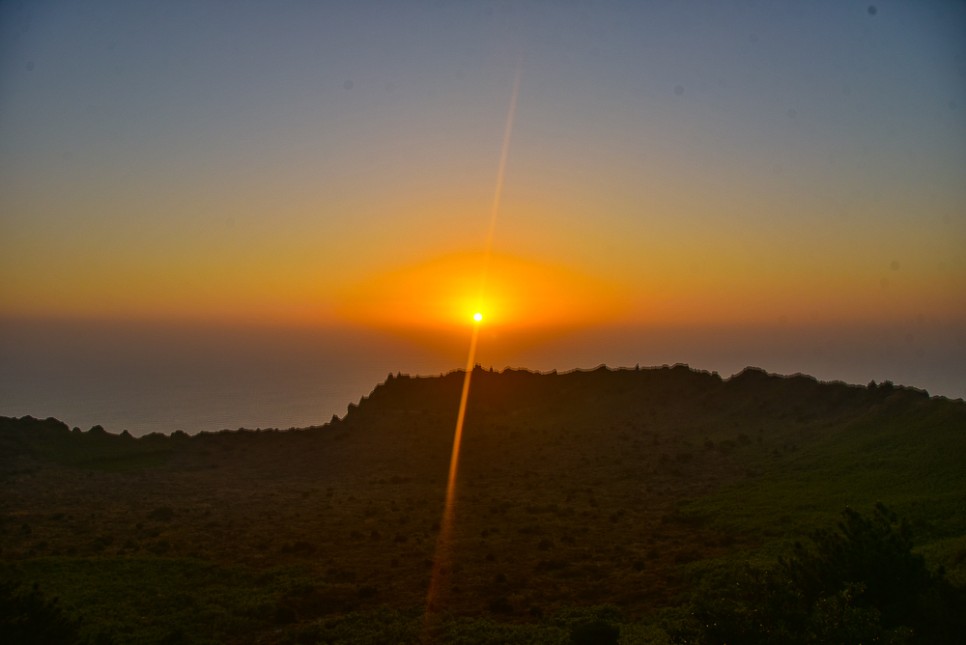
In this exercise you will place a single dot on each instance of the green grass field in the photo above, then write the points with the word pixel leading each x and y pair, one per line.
pixel 585 501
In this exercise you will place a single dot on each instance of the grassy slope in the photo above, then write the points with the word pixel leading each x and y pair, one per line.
pixel 906 454
pixel 575 490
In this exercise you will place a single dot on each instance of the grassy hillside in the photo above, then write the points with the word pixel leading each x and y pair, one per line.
pixel 582 497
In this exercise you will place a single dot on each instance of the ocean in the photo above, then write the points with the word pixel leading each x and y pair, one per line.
pixel 164 378
pixel 146 379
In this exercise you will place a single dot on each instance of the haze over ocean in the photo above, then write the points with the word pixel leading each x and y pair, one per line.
pixel 154 379
pixel 218 215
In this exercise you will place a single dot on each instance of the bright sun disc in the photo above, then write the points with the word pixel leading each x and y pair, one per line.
pixel 477 316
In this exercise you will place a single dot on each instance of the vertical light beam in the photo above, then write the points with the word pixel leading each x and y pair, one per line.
pixel 498 191
pixel 442 558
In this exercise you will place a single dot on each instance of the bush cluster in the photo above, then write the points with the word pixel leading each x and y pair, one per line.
pixel 858 583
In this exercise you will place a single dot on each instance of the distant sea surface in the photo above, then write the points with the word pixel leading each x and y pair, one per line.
pixel 157 378
pixel 154 379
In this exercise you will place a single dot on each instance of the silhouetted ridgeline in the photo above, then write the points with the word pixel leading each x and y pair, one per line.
pixel 608 391
pixel 597 499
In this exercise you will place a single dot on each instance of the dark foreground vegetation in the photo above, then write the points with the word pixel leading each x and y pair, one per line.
pixel 632 506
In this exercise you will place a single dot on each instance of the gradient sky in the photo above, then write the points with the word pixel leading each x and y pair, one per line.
pixel 671 164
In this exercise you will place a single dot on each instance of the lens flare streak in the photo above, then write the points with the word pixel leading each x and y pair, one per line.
pixel 500 175
pixel 444 541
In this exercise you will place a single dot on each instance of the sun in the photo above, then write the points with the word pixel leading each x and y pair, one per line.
pixel 449 293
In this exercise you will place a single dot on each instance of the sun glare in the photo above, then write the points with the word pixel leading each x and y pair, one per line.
pixel 444 292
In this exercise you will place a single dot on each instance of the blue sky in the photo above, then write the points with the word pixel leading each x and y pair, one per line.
pixel 714 163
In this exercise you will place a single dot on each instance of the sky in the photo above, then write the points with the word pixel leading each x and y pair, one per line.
pixel 628 180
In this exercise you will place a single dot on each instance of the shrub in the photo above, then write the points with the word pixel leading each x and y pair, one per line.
pixel 598 632
pixel 858 583
pixel 500 605
pixel 27 616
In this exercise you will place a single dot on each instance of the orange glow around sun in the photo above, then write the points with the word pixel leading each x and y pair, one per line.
pixel 449 291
